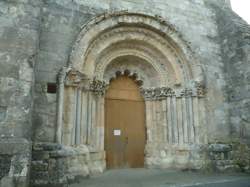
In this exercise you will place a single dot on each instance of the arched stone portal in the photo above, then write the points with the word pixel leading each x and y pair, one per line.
pixel 152 52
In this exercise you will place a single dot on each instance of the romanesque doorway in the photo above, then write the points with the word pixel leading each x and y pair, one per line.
pixel 99 121
pixel 124 124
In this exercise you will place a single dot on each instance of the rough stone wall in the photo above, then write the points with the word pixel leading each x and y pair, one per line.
pixel 15 157
pixel 37 36
pixel 197 21
pixel 54 164
pixel 19 39
pixel 61 22
pixel 234 37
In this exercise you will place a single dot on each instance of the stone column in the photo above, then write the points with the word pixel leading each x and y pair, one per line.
pixel 169 121
pixel 148 106
pixel 89 122
pixel 99 136
pixel 60 106
pixel 102 122
pixel 175 120
pixel 78 116
pixel 180 120
pixel 196 119
pixel 164 120
pixel 84 116
pixel 73 112
pixel 96 114
pixel 191 120
pixel 185 120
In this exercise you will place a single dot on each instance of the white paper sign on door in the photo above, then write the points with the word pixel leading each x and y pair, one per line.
pixel 117 132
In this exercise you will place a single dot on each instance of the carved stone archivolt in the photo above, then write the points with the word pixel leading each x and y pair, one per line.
pixel 171 53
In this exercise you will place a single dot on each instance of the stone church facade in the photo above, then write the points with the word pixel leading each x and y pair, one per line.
pixel 190 61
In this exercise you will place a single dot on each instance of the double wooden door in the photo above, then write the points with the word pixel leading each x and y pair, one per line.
pixel 124 124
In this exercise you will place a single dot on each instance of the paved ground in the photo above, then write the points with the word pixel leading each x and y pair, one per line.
pixel 164 178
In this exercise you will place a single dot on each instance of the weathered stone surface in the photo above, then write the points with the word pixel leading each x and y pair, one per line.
pixel 54 164
pixel 191 59
pixel 219 148
pixel 15 156
pixel 5 162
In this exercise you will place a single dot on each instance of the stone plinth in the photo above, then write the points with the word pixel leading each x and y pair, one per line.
pixel 15 154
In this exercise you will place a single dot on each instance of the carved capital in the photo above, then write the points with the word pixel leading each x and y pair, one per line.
pixel 75 78
pixel 61 75
pixel 200 89
pixel 157 93
pixel 164 92
pixel 98 87
pixel 186 92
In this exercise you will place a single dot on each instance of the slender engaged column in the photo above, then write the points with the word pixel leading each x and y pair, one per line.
pixel 74 115
pixel 149 120
pixel 169 120
pixel 179 120
pixel 84 118
pixel 78 117
pixel 60 102
pixel 93 120
pixel 102 123
pixel 164 118
pixel 98 122
pixel 153 125
pixel 176 133
pixel 89 118
pixel 191 119
pixel 196 119
pixel 158 122
pixel 185 120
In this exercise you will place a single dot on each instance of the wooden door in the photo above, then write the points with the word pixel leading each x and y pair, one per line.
pixel 124 124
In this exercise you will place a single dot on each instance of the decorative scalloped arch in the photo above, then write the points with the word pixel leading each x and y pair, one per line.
pixel 109 29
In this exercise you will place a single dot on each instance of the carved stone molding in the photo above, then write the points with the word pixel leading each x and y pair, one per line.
pixel 108 26
pixel 75 78
pixel 186 92
pixel 164 92
pixel 157 93
pixel 200 89
pixel 146 52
